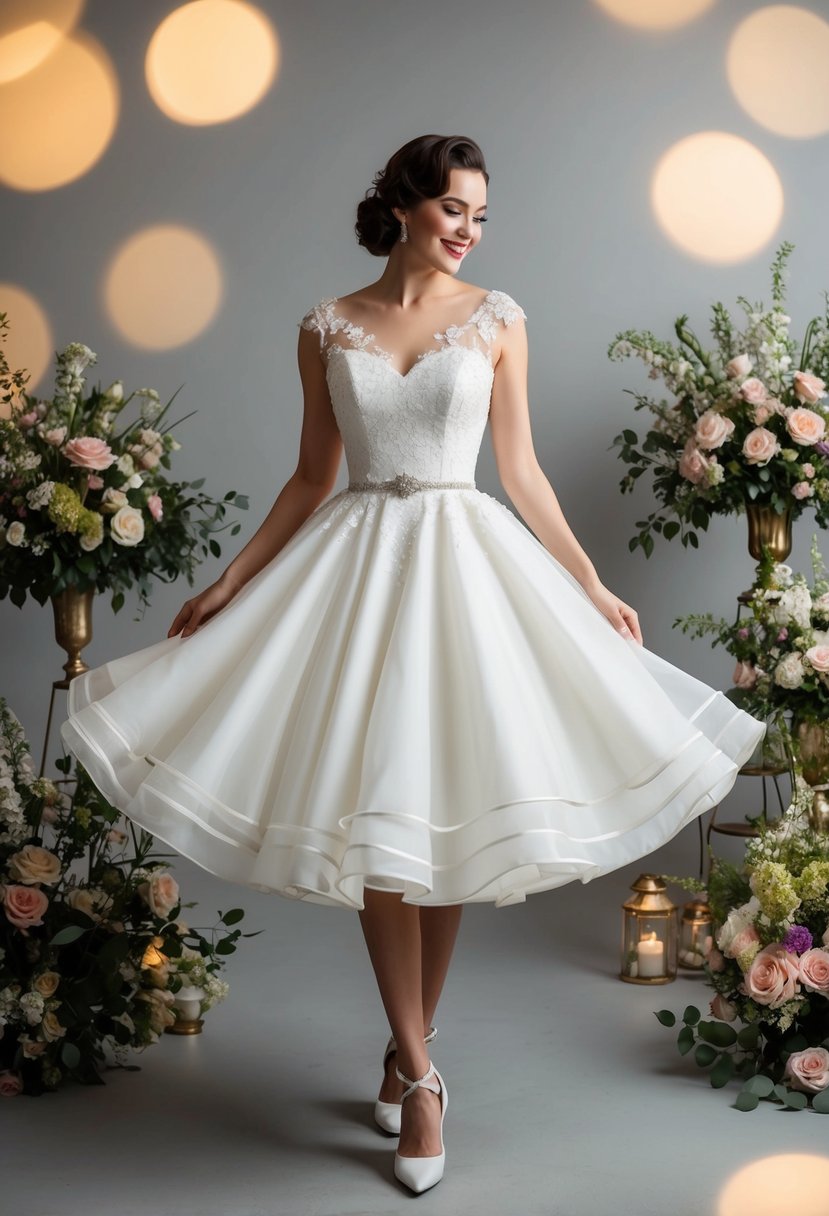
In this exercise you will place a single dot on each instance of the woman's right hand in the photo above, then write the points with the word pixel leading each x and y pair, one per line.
pixel 200 608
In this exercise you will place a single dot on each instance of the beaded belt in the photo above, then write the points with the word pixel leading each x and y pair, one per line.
pixel 404 484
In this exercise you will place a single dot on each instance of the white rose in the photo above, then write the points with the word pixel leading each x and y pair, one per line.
pixel 127 526
pixel 134 482
pixel 126 465
pixel 739 919
pixel 789 671
pixel 15 533
pixel 738 367
pixel 112 500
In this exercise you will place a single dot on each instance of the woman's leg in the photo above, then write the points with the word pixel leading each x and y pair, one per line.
pixel 410 955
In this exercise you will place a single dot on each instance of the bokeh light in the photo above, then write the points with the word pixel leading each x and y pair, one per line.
pixel 57 120
pixel 717 196
pixel 655 14
pixel 163 287
pixel 30 30
pixel 777 67
pixel 788 1184
pixel 28 339
pixel 211 60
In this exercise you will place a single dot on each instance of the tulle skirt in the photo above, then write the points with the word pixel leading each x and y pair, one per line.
pixel 412 696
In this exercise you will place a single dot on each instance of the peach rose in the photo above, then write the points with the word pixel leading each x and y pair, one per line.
pixel 32 1048
pixel 52 1029
pixel 127 526
pixel 24 906
pixel 814 969
pixel 762 413
pixel 742 940
pixel 808 1070
pixel 745 675
pixel 805 426
pixel 808 469
pixel 10 1084
pixel 808 388
pixel 772 979
pixel 753 391
pixel 738 367
pixel 818 656
pixel 159 1001
pixel 33 864
pixel 89 453
pixel 161 893
pixel 155 506
pixel 760 445
pixel 46 983
pixel 725 1010
pixel 712 430
pixel 112 500
pixel 692 463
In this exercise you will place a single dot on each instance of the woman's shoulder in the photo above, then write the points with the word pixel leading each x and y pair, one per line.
pixel 503 306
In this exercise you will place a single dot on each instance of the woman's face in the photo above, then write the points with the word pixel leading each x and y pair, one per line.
pixel 444 230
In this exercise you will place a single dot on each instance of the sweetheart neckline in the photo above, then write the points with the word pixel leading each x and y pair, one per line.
pixel 387 356
pixel 420 361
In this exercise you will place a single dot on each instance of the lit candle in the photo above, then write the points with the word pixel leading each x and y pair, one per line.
pixel 651 953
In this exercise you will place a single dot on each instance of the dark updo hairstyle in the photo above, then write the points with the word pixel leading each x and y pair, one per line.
pixel 418 170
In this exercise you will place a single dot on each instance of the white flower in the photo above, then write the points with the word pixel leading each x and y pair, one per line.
pixel 739 919
pixel 789 671
pixel 125 464
pixel 133 482
pixel 794 607
pixel 16 533
pixel 40 495
pixel 127 526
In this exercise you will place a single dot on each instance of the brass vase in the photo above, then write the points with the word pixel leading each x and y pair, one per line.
pixel 73 629
pixel 812 746
pixel 766 527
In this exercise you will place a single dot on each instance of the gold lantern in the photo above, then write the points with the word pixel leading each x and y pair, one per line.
pixel 695 928
pixel 648 933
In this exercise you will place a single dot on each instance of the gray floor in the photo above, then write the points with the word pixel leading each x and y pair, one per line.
pixel 566 1095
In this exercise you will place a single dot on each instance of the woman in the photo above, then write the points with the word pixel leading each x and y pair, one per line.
pixel 399 699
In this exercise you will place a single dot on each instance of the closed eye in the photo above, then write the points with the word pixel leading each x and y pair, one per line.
pixel 480 218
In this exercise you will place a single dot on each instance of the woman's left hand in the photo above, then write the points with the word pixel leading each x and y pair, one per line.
pixel 621 616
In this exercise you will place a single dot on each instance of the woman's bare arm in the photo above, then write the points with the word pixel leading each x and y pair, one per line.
pixel 320 450
pixel 526 484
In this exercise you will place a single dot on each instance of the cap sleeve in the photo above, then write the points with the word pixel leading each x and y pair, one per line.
pixel 505 308
pixel 316 320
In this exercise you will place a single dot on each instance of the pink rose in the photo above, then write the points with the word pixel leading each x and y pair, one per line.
pixel 808 388
pixel 712 430
pixel 753 391
pixel 725 1010
pixel 745 675
pixel 805 426
pixel 742 940
pixel 738 367
pixel 814 969
pixel 772 979
pixel 28 419
pixel 762 413
pixel 10 1084
pixel 155 506
pixel 818 656
pixel 808 469
pixel 760 445
pixel 803 489
pixel 95 482
pixel 24 906
pixel 715 959
pixel 808 1070
pixel 89 453
pixel 692 463
pixel 161 893
pixel 56 436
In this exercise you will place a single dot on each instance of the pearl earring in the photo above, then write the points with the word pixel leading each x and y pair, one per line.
pixel 404 232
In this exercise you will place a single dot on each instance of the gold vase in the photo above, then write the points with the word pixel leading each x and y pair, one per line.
pixel 73 629
pixel 812 746
pixel 766 527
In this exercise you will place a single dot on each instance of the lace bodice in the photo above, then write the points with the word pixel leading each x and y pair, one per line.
pixel 427 422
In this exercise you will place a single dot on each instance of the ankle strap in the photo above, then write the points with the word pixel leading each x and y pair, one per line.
pixel 392 1043
pixel 413 1085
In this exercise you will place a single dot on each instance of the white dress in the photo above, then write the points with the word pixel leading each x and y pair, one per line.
pixel 414 695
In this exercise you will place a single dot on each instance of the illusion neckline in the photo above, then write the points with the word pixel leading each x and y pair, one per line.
pixel 388 356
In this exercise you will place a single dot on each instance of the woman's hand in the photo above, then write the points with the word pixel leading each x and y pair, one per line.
pixel 621 616
pixel 200 608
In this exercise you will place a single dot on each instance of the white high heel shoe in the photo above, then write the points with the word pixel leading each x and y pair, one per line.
pixel 419 1173
pixel 387 1114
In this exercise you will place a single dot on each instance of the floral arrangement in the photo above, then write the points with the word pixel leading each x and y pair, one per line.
pixel 768 963
pixel 90 963
pixel 748 422
pixel 82 506
pixel 781 647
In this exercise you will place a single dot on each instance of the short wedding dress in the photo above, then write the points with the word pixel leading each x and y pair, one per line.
pixel 413 695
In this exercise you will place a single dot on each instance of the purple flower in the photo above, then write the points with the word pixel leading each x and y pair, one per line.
pixel 822 447
pixel 742 633
pixel 798 939
pixel 783 634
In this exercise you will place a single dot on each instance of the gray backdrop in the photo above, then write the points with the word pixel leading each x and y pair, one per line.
pixel 572 111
